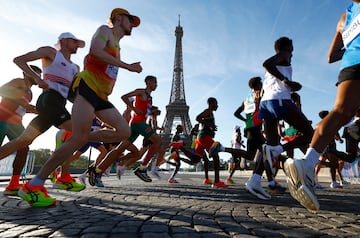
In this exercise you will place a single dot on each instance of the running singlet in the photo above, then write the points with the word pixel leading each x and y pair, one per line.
pixel 144 106
pixel 60 74
pixel 274 88
pixel 251 109
pixel 99 76
pixel 10 111
pixel 205 130
pixel 350 36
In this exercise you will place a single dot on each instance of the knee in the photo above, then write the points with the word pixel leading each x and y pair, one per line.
pixel 78 141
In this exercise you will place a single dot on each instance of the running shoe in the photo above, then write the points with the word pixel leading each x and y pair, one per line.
pixel 215 148
pixel 82 178
pixel 155 172
pixel 98 182
pixel 12 189
pixel 257 190
pixel 207 181
pixel 172 180
pixel 53 176
pixel 270 154
pixel 177 144
pixel 120 170
pixel 344 182
pixel 219 184
pixel 92 175
pixel 107 172
pixel 68 185
pixel 229 181
pixel 319 186
pixel 276 189
pixel 335 184
pixel 301 182
pixel 142 174
pixel 36 196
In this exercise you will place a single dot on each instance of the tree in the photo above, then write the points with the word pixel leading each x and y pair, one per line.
pixel 42 155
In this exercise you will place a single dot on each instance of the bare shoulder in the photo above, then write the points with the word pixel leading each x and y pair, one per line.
pixel 47 49
pixel 17 82
pixel 341 23
pixel 46 52
pixel 103 31
pixel 140 92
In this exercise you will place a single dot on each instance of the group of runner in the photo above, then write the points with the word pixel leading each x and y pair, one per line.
pixel 268 103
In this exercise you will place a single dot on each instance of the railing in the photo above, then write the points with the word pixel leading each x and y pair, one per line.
pixel 6 165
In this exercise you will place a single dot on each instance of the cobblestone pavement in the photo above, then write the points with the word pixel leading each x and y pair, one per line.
pixel 131 208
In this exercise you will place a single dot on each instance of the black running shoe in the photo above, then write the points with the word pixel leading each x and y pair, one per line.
pixel 142 174
pixel 92 175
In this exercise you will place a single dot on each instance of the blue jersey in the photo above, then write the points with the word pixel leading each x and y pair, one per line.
pixel 350 36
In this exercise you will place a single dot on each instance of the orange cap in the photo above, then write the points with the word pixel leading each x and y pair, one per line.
pixel 121 11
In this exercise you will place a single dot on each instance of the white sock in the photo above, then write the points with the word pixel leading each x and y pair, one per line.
pixel 311 157
pixel 37 181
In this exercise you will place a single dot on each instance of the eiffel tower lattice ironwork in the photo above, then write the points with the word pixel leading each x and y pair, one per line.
pixel 177 111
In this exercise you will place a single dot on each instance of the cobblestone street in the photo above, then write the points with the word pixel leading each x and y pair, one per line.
pixel 132 208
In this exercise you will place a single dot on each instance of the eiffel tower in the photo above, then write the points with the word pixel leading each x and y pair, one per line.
pixel 177 112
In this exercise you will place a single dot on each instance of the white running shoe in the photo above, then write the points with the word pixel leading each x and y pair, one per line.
pixel 82 178
pixel 120 170
pixel 107 172
pixel 335 184
pixel 301 183
pixel 155 172
pixel 257 190
pixel 270 154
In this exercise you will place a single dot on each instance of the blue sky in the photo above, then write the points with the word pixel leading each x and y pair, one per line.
pixel 224 44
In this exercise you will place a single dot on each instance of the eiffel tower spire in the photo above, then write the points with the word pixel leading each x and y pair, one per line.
pixel 177 111
pixel 177 90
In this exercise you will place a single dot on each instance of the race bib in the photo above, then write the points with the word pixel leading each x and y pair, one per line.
pixel 249 108
pixel 20 111
pixel 352 31
pixel 112 71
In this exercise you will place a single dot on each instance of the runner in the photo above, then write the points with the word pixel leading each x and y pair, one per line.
pixel 90 91
pixel 59 72
pixel 142 108
pixel 344 47
pixel 16 96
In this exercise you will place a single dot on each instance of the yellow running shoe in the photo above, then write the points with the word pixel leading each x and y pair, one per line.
pixel 12 189
pixel 36 196
pixel 68 184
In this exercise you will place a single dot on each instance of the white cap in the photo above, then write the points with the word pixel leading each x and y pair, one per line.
pixel 236 127
pixel 68 35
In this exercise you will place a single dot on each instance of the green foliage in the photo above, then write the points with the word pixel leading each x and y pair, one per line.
pixel 42 155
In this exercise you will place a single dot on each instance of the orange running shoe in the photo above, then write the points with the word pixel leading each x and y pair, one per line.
pixel 219 184
pixel 36 196
pixel 207 181
pixel 12 189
